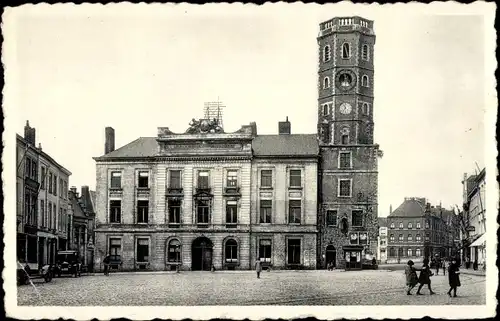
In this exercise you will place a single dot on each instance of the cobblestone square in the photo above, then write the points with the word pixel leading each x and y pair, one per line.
pixel 379 287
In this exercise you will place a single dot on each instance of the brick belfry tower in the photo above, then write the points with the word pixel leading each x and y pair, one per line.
pixel 347 214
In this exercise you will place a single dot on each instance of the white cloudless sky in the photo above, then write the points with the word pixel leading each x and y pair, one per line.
pixel 77 72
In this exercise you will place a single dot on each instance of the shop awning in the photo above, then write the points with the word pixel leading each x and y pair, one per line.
pixel 481 241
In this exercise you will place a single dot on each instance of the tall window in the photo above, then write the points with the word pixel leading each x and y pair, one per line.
pixel 115 211
pixel 203 180
pixel 418 225
pixel 364 81
pixel 295 178
pixel 344 139
pixel 357 218
pixel 116 180
pixel 427 224
pixel 365 109
pixel 410 252
pixel 42 178
pixel 326 83
pixel 410 225
pixel 391 237
pixel 61 194
pixel 345 160
pixel 174 251
pixel 344 188
pixel 417 252
pixel 266 178
pixel 326 53
pixel 365 52
pixel 392 225
pixel 142 211
pixel 326 109
pixel 346 50
pixel 49 216
pixel 42 212
pixel 50 183
pixel 203 211
pixel 54 216
pixel 400 239
pixel 265 211
pixel 174 211
pixel 232 178
pixel 175 179
pixel 401 226
pixel 115 246
pixel 293 251
pixel 232 213
pixel 27 170
pixel 392 252
pixel 294 211
pixel 142 250
pixel 265 250
pixel 427 236
pixel 34 171
pixel 143 180
pixel 410 237
pixel 54 188
pixel 231 251
pixel 331 218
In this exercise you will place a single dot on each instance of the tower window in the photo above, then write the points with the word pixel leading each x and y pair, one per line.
pixel 326 53
pixel 365 53
pixel 346 50
pixel 326 109
pixel 364 81
pixel 365 109
pixel 326 83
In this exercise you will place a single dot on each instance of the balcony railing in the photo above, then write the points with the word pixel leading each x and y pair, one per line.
pixel 175 191
pixel 232 191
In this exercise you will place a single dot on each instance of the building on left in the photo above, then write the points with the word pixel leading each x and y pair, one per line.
pixel 42 202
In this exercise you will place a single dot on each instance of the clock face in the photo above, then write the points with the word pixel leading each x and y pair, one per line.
pixel 345 108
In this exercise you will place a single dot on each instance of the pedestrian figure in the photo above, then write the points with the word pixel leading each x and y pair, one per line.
pixel 474 265
pixel 453 277
pixel 467 263
pixel 212 268
pixel 438 265
pixel 444 266
pixel 425 277
pixel 106 265
pixel 258 268
pixel 411 276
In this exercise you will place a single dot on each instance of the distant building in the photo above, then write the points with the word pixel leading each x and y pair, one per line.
pixel 382 240
pixel 208 198
pixel 42 202
pixel 81 227
pixel 418 230
pixel 474 217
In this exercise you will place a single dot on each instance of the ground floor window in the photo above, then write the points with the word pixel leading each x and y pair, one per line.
pixel 32 249
pixel 293 251
pixel 410 252
pixel 392 252
pixel 174 251
pixel 417 252
pixel 142 250
pixel 115 245
pixel 231 251
pixel 265 251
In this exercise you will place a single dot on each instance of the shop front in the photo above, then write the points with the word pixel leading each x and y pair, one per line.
pixel 352 256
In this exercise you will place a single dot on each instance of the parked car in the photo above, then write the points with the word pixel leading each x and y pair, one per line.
pixel 68 262
pixel 115 261
pixel 25 273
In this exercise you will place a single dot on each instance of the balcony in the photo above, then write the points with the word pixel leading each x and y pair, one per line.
pixel 174 225
pixel 142 191
pixel 203 190
pixel 175 192
pixel 232 191
pixel 30 182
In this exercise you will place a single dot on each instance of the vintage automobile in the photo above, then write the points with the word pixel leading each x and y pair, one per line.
pixel 115 261
pixel 68 262
pixel 25 273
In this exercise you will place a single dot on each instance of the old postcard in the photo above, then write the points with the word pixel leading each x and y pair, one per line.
pixel 243 161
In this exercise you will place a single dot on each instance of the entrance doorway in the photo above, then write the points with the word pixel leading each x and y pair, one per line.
pixel 201 252
pixel 331 256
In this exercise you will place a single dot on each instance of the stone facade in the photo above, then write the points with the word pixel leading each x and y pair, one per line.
pixel 347 217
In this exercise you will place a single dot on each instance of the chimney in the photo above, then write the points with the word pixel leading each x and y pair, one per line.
pixel 390 209
pixel 29 133
pixel 85 196
pixel 253 125
pixel 284 127
pixel 109 145
pixel 73 190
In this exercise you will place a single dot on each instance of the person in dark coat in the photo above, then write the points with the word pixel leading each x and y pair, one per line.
pixel 425 277
pixel 453 278
pixel 411 276
pixel 106 265
pixel 438 265
pixel 258 268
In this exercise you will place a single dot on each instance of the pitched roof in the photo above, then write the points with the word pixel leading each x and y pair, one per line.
pixel 382 221
pixel 411 207
pixel 262 145
pixel 141 147
pixel 285 145
pixel 77 209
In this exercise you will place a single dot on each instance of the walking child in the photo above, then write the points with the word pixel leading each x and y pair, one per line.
pixel 425 277
pixel 411 276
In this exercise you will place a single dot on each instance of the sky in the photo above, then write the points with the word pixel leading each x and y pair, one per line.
pixel 77 71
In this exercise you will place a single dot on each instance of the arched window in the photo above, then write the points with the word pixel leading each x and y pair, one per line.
pixel 417 252
pixel 391 238
pixel 400 239
pixel 392 225
pixel 326 109
pixel 410 252
pixel 401 226
pixel 418 238
pixel 346 50
pixel 174 251
pixel 365 52
pixel 410 225
pixel 410 237
pixel 326 82
pixel 231 251
pixel 364 81
pixel 326 53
